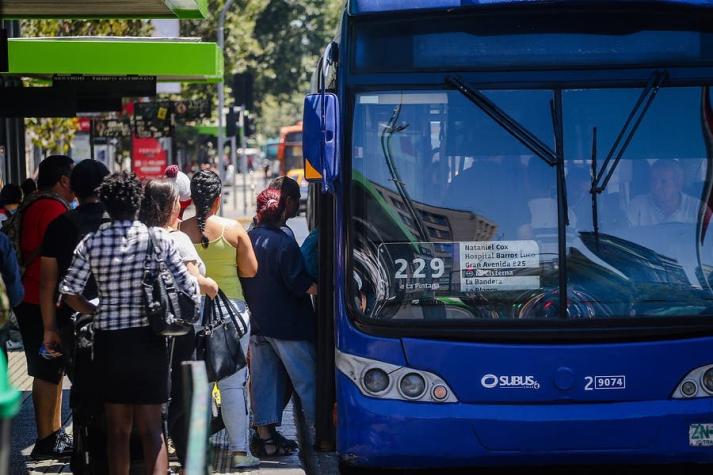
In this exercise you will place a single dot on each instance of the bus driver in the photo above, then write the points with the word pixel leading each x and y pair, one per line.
pixel 665 202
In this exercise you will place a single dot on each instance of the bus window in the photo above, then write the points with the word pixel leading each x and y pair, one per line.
pixel 450 207
pixel 454 218
pixel 647 217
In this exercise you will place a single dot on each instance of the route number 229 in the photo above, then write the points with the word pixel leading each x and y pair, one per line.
pixel 437 268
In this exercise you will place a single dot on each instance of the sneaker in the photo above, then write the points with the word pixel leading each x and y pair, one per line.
pixel 55 446
pixel 242 462
pixel 14 345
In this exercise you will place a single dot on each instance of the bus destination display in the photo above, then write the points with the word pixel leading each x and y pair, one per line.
pixel 450 268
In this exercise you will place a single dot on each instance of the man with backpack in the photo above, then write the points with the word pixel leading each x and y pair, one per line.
pixel 62 236
pixel 26 229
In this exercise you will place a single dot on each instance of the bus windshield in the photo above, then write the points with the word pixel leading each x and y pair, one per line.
pixel 454 219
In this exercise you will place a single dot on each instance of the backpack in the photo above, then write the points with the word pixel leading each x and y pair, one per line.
pixel 12 226
pixel 86 226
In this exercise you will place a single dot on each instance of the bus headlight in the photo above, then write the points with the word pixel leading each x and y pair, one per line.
pixel 697 383
pixel 708 380
pixel 381 380
pixel 376 380
pixel 412 385
pixel 689 388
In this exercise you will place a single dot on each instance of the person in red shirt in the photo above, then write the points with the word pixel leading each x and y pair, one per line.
pixel 52 199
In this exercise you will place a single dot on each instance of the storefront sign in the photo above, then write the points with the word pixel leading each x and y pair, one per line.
pixel 149 159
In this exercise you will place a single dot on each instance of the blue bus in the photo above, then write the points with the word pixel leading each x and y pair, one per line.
pixel 516 262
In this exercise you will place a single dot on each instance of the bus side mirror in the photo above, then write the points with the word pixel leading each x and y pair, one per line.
pixel 320 139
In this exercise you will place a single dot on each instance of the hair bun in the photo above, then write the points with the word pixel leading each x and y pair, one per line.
pixel 172 171
pixel 269 209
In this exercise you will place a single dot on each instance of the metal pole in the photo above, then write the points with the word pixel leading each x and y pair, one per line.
pixel 234 161
pixel 91 139
pixel 221 93
pixel 244 160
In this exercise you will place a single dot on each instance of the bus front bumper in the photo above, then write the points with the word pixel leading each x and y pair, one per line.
pixel 389 433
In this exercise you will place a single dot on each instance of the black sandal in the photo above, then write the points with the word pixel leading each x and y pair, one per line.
pixel 283 441
pixel 279 444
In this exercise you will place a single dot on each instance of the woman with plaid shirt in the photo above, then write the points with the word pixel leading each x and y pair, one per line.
pixel 131 362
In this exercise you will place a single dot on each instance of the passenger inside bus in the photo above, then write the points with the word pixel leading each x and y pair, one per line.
pixel 665 202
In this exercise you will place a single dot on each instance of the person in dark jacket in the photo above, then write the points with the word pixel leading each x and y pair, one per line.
pixel 282 344
pixel 62 236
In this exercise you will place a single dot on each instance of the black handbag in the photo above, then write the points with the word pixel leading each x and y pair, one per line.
pixel 218 343
pixel 170 310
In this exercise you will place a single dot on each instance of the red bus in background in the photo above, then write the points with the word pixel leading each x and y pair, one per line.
pixel 289 150
pixel 289 154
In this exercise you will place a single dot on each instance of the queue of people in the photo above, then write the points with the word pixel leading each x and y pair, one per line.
pixel 82 240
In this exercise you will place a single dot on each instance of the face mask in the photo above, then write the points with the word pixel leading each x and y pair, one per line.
pixel 73 204
pixel 12 211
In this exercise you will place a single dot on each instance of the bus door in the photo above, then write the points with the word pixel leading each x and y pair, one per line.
pixel 320 214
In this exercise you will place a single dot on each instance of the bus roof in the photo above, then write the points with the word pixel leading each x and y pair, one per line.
pixel 360 7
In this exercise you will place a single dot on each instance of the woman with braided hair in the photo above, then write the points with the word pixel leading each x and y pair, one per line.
pixel 227 252
pixel 130 360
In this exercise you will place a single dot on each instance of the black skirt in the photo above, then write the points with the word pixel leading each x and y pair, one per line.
pixel 131 366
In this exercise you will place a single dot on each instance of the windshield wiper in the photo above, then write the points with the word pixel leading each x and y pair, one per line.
pixel 562 202
pixel 593 190
pixel 524 136
pixel 636 115
pixel 390 129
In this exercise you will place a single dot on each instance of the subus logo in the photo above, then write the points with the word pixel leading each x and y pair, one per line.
pixel 490 381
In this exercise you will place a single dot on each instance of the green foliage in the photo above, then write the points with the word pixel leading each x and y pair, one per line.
pixel 52 135
pixel 52 28
pixel 279 41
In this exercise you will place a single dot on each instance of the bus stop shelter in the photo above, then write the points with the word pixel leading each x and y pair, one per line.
pixel 181 9
pixel 63 77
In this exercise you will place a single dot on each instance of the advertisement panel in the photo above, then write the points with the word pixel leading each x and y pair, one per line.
pixel 149 159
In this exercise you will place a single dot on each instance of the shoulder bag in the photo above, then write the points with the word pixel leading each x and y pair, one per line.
pixel 170 311
pixel 218 343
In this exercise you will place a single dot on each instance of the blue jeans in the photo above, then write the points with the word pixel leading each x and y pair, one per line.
pixel 275 364
pixel 234 402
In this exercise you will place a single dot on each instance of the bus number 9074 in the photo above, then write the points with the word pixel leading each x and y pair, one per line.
pixel 604 382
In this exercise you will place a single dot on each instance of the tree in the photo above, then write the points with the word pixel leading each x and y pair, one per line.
pixel 55 135
pixel 279 41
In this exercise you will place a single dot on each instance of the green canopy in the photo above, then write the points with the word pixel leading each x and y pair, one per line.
pixel 182 9
pixel 166 59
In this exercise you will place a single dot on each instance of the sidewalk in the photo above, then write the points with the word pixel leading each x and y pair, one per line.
pixel 23 435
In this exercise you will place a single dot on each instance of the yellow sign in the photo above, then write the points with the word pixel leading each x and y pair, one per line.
pixel 311 173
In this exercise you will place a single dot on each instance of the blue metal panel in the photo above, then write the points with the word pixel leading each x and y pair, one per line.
pixel 357 7
pixel 649 370
pixel 386 433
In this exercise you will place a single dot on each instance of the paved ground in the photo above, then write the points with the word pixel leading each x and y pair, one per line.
pixel 23 435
